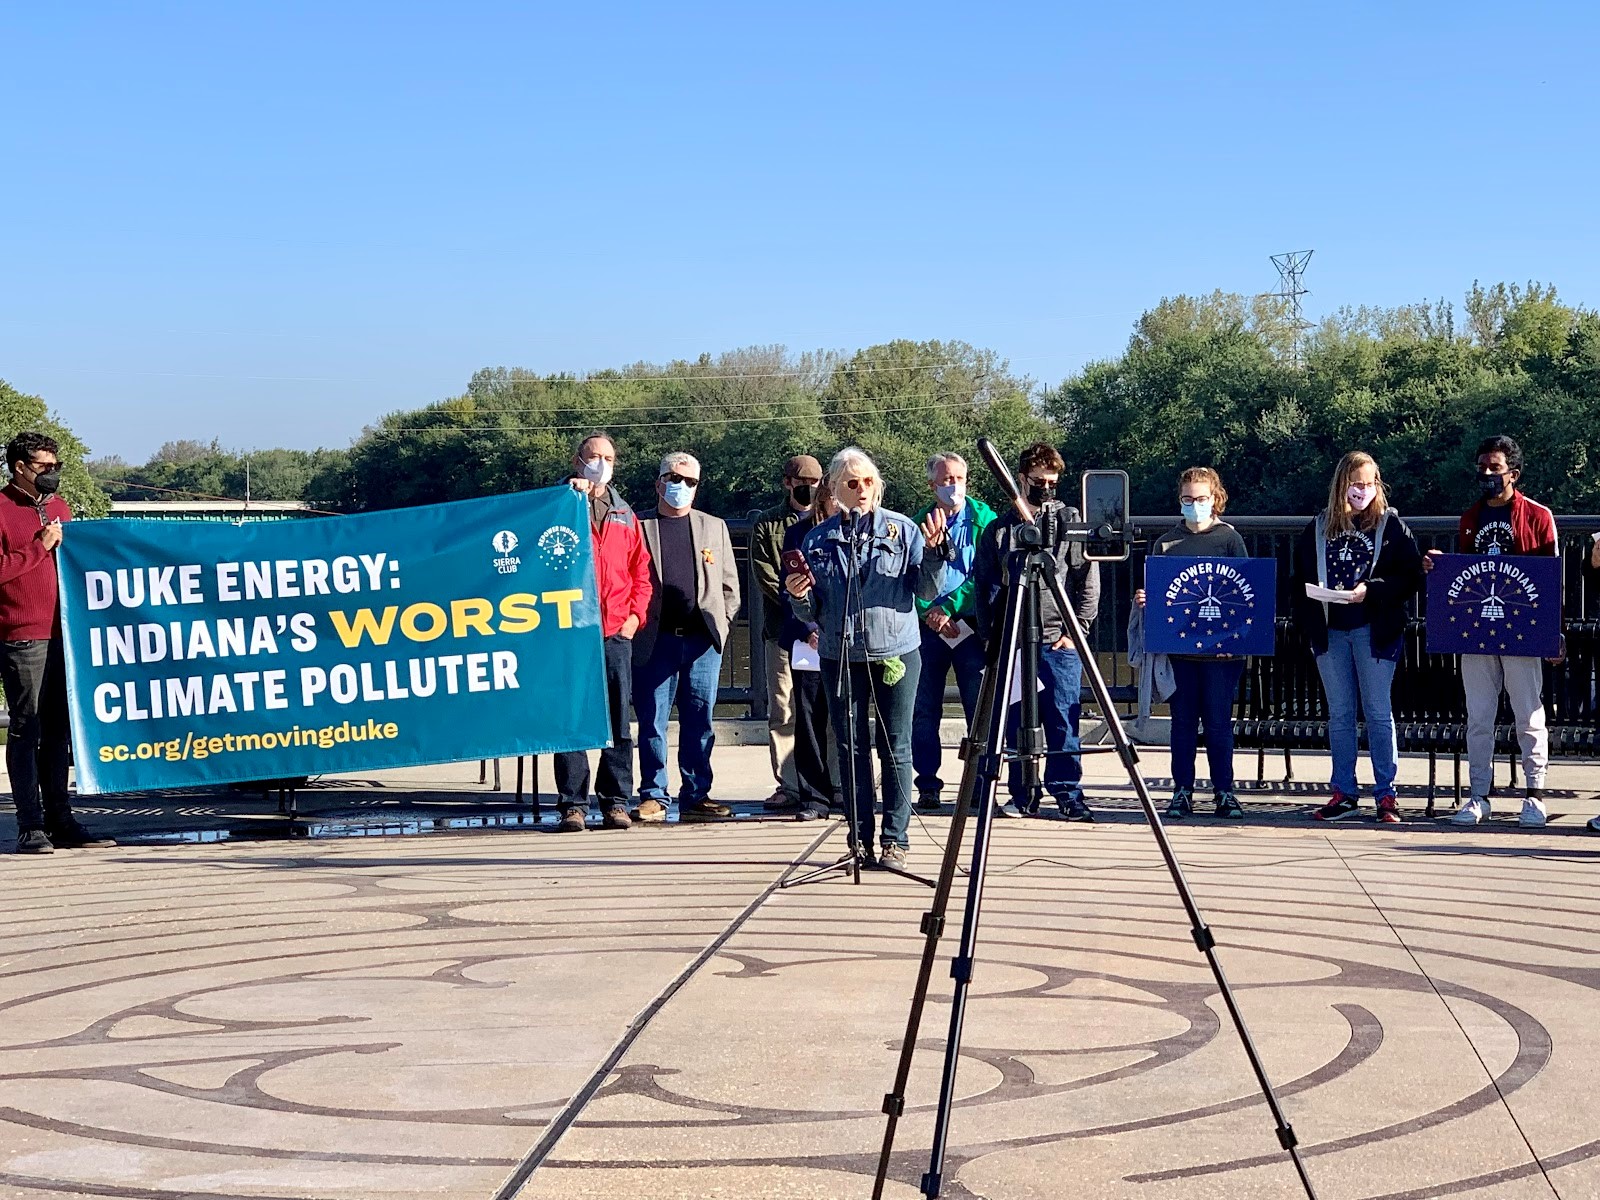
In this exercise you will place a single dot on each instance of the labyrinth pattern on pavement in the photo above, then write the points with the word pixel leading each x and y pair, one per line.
pixel 407 1018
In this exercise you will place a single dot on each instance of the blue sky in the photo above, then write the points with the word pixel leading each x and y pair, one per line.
pixel 272 223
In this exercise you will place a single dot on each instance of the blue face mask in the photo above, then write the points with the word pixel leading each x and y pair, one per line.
pixel 950 494
pixel 1196 511
pixel 678 495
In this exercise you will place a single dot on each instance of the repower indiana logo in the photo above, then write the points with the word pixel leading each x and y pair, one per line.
pixel 559 546
pixel 1212 602
pixel 505 562
pixel 1349 556
pixel 1494 537
pixel 1491 604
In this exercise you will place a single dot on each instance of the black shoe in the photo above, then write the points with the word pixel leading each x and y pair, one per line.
pixel 782 804
pixel 1181 805
pixel 930 802
pixel 1228 807
pixel 71 835
pixel 812 811
pixel 34 841
pixel 702 810
pixel 1076 809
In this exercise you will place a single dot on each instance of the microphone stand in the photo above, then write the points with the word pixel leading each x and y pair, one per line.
pixel 1030 566
pixel 850 861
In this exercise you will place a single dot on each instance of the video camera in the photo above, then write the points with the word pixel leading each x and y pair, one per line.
pixel 1106 531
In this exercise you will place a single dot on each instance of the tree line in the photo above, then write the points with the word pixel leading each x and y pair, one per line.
pixel 1220 380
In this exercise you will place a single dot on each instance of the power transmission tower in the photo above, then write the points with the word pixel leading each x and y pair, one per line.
pixel 1291 286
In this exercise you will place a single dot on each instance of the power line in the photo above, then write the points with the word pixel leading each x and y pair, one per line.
pixel 919 403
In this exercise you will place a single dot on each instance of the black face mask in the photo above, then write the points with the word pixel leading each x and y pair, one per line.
pixel 1041 493
pixel 47 483
pixel 1490 485
pixel 802 493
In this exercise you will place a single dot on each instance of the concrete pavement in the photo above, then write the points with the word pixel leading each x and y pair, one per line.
pixel 516 1013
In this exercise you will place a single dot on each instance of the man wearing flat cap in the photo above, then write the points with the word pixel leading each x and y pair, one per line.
pixel 802 477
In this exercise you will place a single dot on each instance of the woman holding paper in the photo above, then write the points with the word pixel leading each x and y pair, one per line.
pixel 1357 565
pixel 815 767
pixel 1206 683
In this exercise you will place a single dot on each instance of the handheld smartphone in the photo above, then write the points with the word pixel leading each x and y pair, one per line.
pixel 794 563
pixel 1105 511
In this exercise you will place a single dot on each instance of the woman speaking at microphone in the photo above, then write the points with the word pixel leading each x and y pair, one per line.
pixel 863 568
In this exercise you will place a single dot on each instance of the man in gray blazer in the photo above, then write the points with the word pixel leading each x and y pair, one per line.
pixel 677 656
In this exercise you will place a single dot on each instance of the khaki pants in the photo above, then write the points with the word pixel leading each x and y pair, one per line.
pixel 780 719
pixel 1484 675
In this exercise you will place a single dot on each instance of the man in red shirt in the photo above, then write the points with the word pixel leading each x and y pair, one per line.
pixel 32 670
pixel 622 570
pixel 1503 521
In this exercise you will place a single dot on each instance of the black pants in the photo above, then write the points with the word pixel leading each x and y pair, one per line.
pixel 812 739
pixel 614 784
pixel 39 741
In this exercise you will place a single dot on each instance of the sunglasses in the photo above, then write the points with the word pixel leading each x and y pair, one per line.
pixel 39 468
pixel 857 485
pixel 674 477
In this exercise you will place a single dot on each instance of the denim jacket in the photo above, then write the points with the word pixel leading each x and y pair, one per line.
pixel 890 571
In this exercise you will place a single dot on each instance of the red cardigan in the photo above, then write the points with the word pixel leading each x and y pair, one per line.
pixel 30 606
pixel 1533 526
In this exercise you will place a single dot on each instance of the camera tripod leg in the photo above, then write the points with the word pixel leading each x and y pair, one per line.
pixel 980 778
pixel 1199 930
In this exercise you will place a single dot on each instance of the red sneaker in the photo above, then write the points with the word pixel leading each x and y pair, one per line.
pixel 1337 809
pixel 1388 811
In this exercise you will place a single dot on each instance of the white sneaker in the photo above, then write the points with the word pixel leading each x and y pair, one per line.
pixel 1007 810
pixel 1472 810
pixel 1532 813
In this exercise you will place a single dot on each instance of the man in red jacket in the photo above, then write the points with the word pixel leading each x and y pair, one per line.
pixel 1503 521
pixel 622 568
pixel 32 670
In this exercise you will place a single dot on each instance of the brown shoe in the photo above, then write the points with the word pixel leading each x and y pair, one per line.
pixel 572 820
pixel 704 810
pixel 616 818
pixel 650 812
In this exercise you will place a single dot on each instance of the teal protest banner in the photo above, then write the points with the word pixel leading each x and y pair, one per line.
pixel 202 654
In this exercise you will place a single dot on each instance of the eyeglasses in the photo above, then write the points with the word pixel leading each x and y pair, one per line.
pixel 39 468
pixel 857 485
pixel 674 477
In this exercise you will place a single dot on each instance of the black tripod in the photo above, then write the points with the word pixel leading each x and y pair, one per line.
pixel 1031 566
pixel 855 854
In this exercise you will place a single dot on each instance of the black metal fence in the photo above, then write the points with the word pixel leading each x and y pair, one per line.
pixel 1570 690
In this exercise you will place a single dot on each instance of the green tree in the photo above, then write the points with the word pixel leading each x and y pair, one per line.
pixel 19 413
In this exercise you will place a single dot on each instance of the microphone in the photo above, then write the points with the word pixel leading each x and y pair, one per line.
pixel 1002 473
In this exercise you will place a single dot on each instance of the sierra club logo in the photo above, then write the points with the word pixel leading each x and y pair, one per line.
pixel 559 546
pixel 504 543
pixel 1217 599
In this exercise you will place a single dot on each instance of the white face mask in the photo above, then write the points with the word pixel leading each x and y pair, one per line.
pixel 1361 495
pixel 597 470
pixel 1197 511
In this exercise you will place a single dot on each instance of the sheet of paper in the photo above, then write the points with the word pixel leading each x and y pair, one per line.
pixel 964 631
pixel 1016 683
pixel 1328 595
pixel 803 658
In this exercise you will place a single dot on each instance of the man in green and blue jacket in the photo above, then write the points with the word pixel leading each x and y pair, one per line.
pixel 950 635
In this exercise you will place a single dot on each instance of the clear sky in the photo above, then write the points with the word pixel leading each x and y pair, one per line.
pixel 272 223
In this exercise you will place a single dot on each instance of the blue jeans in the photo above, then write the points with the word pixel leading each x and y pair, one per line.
pixel 1350 675
pixel 938 656
pixel 893 705
pixel 1060 706
pixel 1205 692
pixel 684 669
